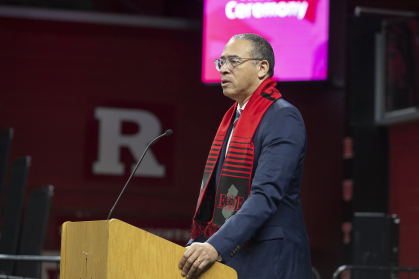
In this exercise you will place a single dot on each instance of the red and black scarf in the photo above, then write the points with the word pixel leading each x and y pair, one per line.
pixel 214 209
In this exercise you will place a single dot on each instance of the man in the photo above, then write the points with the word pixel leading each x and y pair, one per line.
pixel 249 213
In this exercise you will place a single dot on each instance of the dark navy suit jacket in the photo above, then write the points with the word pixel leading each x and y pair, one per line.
pixel 271 217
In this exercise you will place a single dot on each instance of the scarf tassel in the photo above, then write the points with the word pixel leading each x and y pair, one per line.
pixel 210 230
pixel 203 229
pixel 199 229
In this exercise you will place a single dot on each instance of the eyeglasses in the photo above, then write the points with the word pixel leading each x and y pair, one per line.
pixel 232 62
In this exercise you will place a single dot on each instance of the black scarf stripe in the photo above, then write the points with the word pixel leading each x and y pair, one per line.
pixel 268 96
pixel 208 168
pixel 211 159
pixel 237 169
pixel 237 158
pixel 237 174
pixel 213 154
pixel 237 164
pixel 216 144
pixel 241 137
pixel 211 164
pixel 240 148
pixel 240 142
pixel 238 153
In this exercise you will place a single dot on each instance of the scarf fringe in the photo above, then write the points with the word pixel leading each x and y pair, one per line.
pixel 248 244
pixel 207 230
pixel 210 230
pixel 197 229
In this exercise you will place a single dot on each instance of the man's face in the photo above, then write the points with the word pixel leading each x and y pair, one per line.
pixel 241 82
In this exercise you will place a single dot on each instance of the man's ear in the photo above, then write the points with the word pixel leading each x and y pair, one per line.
pixel 263 69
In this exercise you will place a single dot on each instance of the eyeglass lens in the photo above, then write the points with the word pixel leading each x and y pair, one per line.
pixel 231 63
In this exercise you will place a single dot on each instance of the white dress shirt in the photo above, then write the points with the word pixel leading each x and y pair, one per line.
pixel 232 130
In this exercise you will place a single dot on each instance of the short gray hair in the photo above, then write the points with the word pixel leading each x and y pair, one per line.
pixel 261 49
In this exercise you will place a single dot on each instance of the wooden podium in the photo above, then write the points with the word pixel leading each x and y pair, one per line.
pixel 113 249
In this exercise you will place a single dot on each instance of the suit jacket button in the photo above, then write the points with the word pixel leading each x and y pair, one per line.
pixel 231 254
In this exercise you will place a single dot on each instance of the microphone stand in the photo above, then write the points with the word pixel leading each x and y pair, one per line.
pixel 167 133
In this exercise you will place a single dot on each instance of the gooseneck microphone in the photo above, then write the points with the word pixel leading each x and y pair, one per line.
pixel 167 133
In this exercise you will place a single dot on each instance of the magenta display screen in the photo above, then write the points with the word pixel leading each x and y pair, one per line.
pixel 297 30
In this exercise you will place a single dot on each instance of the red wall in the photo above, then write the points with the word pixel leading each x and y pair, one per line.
pixel 404 188
pixel 54 74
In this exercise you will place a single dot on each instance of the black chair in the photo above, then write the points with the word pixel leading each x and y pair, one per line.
pixel 14 277
pixel 13 211
pixel 5 143
pixel 34 227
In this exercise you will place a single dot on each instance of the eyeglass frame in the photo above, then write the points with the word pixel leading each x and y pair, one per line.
pixel 237 58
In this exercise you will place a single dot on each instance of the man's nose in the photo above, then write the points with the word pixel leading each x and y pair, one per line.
pixel 224 68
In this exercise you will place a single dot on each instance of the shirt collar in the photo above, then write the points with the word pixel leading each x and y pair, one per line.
pixel 238 106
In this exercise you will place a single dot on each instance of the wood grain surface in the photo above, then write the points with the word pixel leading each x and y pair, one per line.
pixel 116 250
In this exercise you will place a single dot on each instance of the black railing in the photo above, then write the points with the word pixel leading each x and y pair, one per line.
pixel 388 269
pixel 32 258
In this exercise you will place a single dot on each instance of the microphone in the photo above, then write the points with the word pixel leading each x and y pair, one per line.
pixel 167 133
